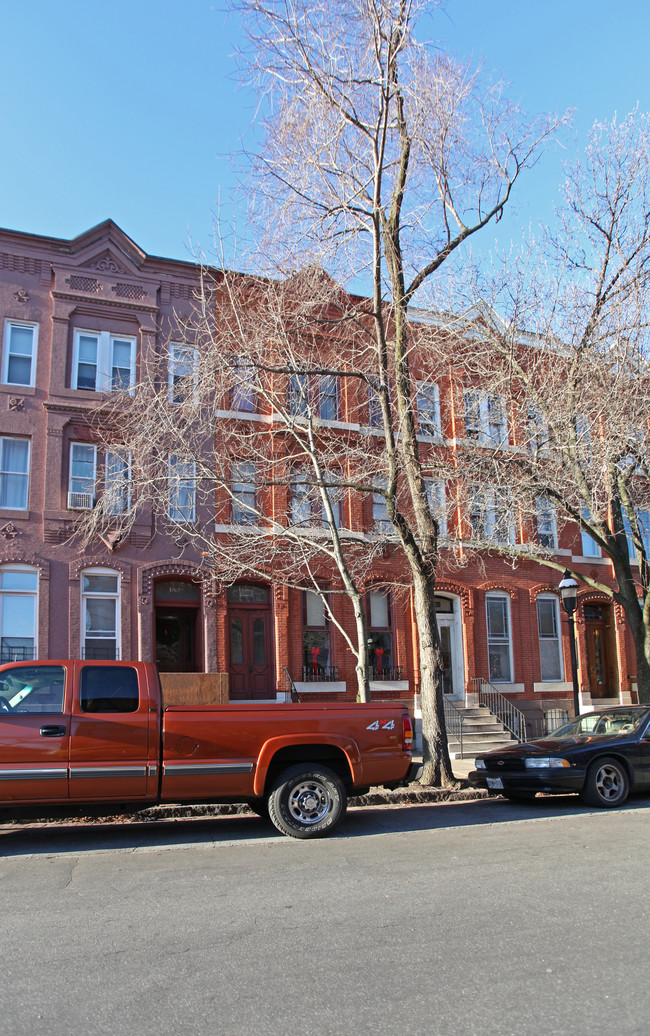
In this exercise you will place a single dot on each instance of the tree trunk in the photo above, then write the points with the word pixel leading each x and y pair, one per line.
pixel 362 667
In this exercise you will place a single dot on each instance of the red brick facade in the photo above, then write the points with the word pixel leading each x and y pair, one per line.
pixel 69 306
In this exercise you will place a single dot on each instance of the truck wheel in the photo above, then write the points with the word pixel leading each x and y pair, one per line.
pixel 307 801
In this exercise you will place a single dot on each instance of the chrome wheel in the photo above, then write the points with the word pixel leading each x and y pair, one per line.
pixel 606 784
pixel 309 802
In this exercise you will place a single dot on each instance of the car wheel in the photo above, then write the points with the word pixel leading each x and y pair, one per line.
pixel 518 796
pixel 606 784
pixel 307 801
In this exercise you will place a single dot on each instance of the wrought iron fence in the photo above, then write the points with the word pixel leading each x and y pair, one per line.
pixel 512 718
pixel 454 722
pixel 320 673
pixel 386 672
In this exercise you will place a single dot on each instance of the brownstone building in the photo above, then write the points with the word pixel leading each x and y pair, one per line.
pixel 79 318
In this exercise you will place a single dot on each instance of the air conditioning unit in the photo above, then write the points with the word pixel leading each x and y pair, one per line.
pixel 80 501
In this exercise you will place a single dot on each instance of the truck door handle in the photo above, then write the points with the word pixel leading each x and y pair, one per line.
pixel 53 731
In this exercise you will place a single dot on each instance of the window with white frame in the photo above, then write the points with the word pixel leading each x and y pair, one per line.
pixel 538 431
pixel 375 416
pixel 428 407
pixel 380 635
pixel 485 418
pixel 18 612
pixel 301 504
pixel 100 614
pixel 491 516
pixel 589 547
pixel 546 523
pixel 548 630
pixel 182 377
pixel 103 362
pixel 19 353
pixel 328 397
pixel 299 395
pixel 499 642
pixel 643 522
pixel 380 520
pixel 244 391
pixel 315 638
pixel 244 510
pixel 181 488
pixel 88 467
pixel 437 500
pixel 14 473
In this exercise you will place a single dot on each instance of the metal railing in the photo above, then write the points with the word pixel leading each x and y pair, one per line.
pixel 512 718
pixel 454 722
pixel 386 672
pixel 289 685
pixel 317 673
pixel 16 654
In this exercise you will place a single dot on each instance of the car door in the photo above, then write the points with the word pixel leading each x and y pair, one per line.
pixel 112 750
pixel 34 733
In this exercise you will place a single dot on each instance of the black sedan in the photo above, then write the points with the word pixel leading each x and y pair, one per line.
pixel 601 755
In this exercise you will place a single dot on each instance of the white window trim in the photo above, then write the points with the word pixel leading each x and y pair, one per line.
pixel 27 474
pixel 437 499
pixel 9 323
pixel 558 626
pixel 482 426
pixel 545 509
pixel 17 567
pixel 117 597
pixel 178 350
pixel 97 456
pixel 492 507
pixel 171 478
pixel 104 368
pixel 505 597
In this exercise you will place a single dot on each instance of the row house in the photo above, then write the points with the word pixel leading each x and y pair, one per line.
pixel 80 319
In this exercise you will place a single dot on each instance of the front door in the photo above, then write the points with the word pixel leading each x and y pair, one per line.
pixel 600 651
pixel 448 616
pixel 176 640
pixel 251 655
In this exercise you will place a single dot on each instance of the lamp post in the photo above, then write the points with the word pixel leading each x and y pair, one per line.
pixel 569 594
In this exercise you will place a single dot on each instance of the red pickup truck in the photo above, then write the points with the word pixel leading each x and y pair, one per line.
pixel 95 737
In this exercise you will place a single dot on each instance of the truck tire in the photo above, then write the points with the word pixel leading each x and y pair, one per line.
pixel 307 801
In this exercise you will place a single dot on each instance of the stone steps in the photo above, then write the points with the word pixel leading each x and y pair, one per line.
pixel 482 732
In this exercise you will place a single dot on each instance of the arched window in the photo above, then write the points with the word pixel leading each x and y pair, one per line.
pixel 18 611
pixel 100 614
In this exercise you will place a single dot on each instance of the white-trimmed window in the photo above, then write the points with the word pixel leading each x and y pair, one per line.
pixel 83 478
pixel 485 418
pixel 548 630
pixel 428 407
pixel 491 516
pixel 103 362
pixel 19 353
pixel 244 391
pixel 546 523
pixel 182 376
pixel 18 611
pixel 643 520
pixel 301 509
pixel 589 547
pixel 499 641
pixel 14 473
pixel 380 520
pixel 100 614
pixel 328 397
pixel 538 431
pixel 244 509
pixel 380 635
pixel 181 488
pixel 315 638
pixel 437 500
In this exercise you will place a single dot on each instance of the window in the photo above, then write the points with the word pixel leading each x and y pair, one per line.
pixel 548 628
pixel 546 523
pixel 428 406
pixel 538 431
pixel 380 637
pixel 103 362
pixel 437 500
pixel 82 481
pixel 307 507
pixel 328 398
pixel 18 609
pixel 34 690
pixel 491 516
pixel 244 510
pixel 485 419
pixel 108 689
pixel 182 488
pixel 244 393
pixel 14 473
pixel 375 418
pixel 498 638
pixel 300 500
pixel 589 547
pixel 643 520
pixel 299 395
pixel 380 520
pixel 315 638
pixel 182 371
pixel 19 353
pixel 100 598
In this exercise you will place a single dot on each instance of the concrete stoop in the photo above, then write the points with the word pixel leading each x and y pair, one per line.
pixel 482 732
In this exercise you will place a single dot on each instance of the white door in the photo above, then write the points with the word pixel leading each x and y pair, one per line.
pixel 449 626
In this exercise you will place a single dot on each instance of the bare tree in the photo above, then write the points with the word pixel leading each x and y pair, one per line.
pixel 575 384
pixel 381 157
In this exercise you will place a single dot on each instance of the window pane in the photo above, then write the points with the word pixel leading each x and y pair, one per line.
pixel 87 365
pixel 19 360
pixel 499 663
pixel 34 690
pixel 14 467
pixel 497 617
pixel 549 655
pixel 328 402
pixel 378 610
pixel 100 615
pixel 316 651
pixel 315 609
pixel 259 643
pixel 107 689
pixel 546 618
pixel 236 642
pixel 99 584
pixel 18 580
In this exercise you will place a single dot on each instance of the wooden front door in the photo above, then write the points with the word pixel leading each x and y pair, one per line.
pixel 601 668
pixel 251 653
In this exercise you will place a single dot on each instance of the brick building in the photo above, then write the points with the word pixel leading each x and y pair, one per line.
pixel 79 317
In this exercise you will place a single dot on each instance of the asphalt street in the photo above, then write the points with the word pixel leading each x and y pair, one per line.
pixel 447 920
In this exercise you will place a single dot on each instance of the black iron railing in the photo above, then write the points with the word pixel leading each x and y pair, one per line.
pixel 386 672
pixel 320 673
pixel 16 654
pixel 512 718
pixel 454 723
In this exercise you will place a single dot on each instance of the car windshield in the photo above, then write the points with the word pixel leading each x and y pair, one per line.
pixel 610 724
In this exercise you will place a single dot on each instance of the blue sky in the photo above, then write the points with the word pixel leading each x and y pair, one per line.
pixel 130 109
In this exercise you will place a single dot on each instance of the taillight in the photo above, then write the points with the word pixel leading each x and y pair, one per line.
pixel 407 733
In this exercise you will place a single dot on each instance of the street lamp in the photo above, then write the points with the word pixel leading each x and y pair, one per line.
pixel 569 593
